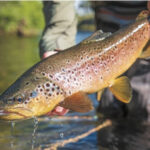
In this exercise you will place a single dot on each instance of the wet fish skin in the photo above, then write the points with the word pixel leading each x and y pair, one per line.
pixel 88 67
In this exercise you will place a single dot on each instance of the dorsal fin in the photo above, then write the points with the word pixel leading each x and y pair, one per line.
pixel 143 14
pixel 96 36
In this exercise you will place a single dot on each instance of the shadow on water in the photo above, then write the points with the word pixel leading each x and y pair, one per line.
pixel 17 55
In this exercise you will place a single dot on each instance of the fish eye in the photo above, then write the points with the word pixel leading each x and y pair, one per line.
pixel 19 99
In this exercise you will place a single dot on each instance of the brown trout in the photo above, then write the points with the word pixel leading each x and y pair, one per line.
pixel 65 78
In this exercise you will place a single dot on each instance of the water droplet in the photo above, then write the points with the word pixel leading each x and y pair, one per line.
pixel 34 132
pixel 62 135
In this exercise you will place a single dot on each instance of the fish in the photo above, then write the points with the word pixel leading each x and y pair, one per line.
pixel 64 79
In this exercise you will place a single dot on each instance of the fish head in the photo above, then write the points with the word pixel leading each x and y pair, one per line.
pixel 29 97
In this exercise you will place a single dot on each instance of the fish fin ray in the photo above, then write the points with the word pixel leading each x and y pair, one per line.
pixel 146 53
pixel 121 89
pixel 99 94
pixel 142 14
pixel 78 102
pixel 96 36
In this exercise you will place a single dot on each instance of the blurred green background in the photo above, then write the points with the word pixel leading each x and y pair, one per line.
pixel 23 18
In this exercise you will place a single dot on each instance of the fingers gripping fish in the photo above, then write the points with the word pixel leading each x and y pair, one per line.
pixel 66 78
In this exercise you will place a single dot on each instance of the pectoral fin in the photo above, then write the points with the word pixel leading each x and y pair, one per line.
pixel 99 94
pixel 146 52
pixel 78 102
pixel 121 88
pixel 97 36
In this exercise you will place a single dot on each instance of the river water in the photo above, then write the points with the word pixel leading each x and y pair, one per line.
pixel 17 55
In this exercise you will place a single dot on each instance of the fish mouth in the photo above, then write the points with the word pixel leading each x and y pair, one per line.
pixel 6 113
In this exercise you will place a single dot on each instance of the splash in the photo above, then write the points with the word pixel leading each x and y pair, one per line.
pixel 34 133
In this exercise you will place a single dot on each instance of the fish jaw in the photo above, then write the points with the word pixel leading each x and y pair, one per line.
pixel 15 114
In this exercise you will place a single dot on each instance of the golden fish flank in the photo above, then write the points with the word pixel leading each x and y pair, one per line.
pixel 65 78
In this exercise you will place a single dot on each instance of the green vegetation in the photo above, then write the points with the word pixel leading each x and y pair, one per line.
pixel 24 18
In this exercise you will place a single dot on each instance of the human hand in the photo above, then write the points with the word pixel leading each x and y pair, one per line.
pixel 50 53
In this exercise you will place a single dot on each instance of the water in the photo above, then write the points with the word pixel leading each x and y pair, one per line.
pixel 17 55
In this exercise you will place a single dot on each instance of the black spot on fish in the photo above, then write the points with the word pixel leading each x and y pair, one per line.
pixel 43 74
pixel 37 78
pixel 26 102
pixel 112 57
pixel 27 83
pixel 50 76
pixel 53 89
pixel 47 84
pixel 49 94
pixel 63 69
pixel 47 90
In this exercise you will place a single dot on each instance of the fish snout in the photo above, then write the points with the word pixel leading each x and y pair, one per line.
pixel 2 112
pixel 15 113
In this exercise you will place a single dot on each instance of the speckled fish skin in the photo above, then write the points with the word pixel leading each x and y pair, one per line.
pixel 87 67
